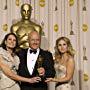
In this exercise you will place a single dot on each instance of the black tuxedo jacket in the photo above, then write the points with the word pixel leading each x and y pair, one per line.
pixel 48 64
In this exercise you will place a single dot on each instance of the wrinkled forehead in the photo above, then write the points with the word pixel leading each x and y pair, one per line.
pixel 34 34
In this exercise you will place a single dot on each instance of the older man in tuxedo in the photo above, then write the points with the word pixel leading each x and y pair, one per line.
pixel 34 62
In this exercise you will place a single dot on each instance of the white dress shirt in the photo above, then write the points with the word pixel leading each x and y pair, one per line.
pixel 31 60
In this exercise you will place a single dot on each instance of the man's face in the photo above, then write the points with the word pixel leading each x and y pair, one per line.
pixel 26 12
pixel 34 40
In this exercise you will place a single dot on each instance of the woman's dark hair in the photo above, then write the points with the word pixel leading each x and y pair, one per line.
pixel 3 45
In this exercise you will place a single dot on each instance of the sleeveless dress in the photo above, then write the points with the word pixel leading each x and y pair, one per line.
pixel 5 82
pixel 61 72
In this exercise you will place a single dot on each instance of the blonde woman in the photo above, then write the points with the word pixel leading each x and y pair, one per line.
pixel 64 64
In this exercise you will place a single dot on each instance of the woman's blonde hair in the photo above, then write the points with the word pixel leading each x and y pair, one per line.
pixel 70 50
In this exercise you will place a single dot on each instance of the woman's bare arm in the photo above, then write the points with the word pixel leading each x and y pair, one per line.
pixel 69 72
pixel 8 72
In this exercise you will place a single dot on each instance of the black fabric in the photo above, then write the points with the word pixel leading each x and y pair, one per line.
pixel 33 88
pixel 47 64
pixel 60 83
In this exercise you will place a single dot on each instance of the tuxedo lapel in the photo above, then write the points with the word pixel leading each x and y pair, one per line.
pixel 24 58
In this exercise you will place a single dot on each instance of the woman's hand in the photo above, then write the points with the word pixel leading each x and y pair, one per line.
pixel 49 79
pixel 34 79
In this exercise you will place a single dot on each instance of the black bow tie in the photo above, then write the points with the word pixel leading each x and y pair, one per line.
pixel 33 51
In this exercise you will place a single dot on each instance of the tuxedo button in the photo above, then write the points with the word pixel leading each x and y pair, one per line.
pixel 32 67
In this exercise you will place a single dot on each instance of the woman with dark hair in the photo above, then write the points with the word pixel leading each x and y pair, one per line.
pixel 64 64
pixel 3 45
pixel 9 63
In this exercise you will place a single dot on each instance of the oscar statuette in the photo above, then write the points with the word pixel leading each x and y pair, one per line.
pixel 39 65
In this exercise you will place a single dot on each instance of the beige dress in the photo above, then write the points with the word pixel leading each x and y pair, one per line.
pixel 61 72
pixel 5 82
